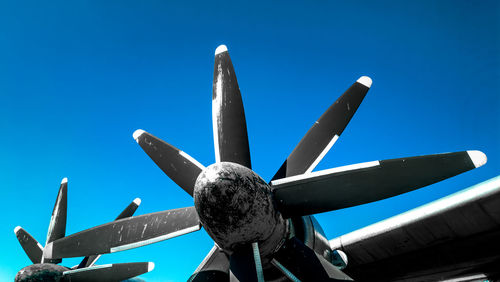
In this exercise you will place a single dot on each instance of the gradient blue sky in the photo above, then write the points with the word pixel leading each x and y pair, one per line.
pixel 77 78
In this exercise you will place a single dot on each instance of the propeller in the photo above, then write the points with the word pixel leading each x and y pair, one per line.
pixel 85 271
pixel 295 188
pixel 357 184
pixel 248 217
pixel 57 228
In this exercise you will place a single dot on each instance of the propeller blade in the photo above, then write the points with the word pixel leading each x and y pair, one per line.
pixel 325 131
pixel 176 164
pixel 300 263
pixel 127 233
pixel 245 264
pixel 127 212
pixel 109 272
pixel 362 183
pixel 57 225
pixel 228 115
pixel 130 209
pixel 215 267
pixel 30 245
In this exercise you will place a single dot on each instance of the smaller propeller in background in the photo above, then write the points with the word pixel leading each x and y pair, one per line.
pixel 47 268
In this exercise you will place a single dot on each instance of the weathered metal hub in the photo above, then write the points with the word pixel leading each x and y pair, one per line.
pixel 236 207
pixel 41 272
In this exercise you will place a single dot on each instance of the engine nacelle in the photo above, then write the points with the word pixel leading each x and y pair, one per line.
pixel 339 259
pixel 308 230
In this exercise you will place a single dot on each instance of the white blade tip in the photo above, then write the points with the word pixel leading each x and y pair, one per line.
pixel 64 180
pixel 477 157
pixel 366 81
pixel 17 229
pixel 220 49
pixel 151 266
pixel 137 134
pixel 137 201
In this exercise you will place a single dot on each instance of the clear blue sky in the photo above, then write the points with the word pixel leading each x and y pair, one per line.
pixel 77 78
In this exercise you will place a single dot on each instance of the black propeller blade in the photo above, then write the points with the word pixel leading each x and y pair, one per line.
pixel 108 272
pixel 130 209
pixel 179 166
pixel 127 233
pixel 57 225
pixel 30 245
pixel 127 212
pixel 215 267
pixel 357 184
pixel 325 131
pixel 228 115
pixel 302 263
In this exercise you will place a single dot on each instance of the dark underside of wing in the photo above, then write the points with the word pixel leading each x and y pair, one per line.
pixel 454 238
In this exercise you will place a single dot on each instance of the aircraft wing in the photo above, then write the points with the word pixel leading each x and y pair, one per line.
pixel 455 238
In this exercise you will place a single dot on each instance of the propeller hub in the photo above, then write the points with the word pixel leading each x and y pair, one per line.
pixel 236 207
pixel 41 272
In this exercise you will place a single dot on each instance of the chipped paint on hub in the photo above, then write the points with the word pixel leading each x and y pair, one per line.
pixel 41 272
pixel 236 208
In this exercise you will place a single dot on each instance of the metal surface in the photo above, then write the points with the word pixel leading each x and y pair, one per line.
pixel 45 270
pixel 236 207
pixel 341 188
pixel 243 214
pixel 126 233
pixel 30 245
pixel 320 245
pixel 179 166
pixel 307 265
pixel 258 262
pixel 57 225
pixel 109 272
pixel 127 212
pixel 324 132
pixel 40 272
pixel 228 115
pixel 453 236
pixel 215 267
